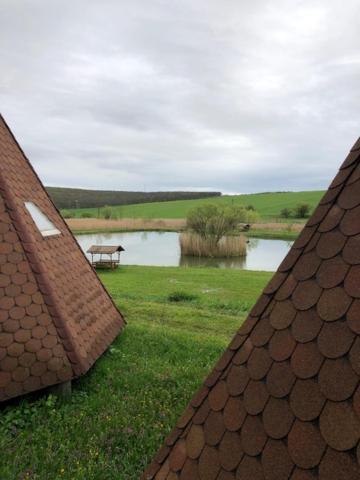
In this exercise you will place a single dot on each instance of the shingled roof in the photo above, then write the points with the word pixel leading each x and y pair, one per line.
pixel 56 318
pixel 283 402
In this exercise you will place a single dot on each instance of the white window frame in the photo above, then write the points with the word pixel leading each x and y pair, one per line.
pixel 43 224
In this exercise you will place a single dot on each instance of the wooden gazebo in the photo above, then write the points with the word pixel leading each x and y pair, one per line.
pixel 106 251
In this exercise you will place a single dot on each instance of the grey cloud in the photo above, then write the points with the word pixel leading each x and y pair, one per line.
pixel 232 96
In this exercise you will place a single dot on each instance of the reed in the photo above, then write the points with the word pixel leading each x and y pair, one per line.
pixel 125 224
pixel 194 245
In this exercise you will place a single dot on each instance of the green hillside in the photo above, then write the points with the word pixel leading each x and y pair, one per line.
pixel 268 205
pixel 80 198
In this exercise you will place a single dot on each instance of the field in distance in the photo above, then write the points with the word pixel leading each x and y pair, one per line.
pixel 82 198
pixel 268 205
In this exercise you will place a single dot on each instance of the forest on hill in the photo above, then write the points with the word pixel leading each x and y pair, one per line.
pixel 79 198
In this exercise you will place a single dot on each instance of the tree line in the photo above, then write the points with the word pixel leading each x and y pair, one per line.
pixel 79 198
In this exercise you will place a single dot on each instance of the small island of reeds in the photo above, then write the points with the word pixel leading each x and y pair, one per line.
pixel 213 231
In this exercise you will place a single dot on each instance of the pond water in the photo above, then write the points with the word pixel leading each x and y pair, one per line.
pixel 162 249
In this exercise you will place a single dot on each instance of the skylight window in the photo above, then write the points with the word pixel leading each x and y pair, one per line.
pixel 46 227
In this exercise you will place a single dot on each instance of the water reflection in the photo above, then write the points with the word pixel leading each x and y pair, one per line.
pixel 252 243
pixel 238 262
pixel 162 249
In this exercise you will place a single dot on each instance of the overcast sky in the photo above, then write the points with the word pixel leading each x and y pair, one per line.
pixel 229 95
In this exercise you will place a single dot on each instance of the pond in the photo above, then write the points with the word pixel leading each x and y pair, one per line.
pixel 162 249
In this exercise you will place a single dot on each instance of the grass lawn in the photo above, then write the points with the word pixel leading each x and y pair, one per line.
pixel 269 205
pixel 272 234
pixel 122 409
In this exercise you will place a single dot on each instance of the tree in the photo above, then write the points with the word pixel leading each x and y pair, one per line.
pixel 302 210
pixel 212 222
pixel 66 214
pixel 107 212
pixel 285 213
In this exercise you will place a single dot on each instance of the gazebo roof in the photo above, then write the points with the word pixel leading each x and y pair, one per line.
pixel 106 249
pixel 283 402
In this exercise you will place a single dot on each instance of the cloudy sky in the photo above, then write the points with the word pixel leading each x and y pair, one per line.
pixel 229 95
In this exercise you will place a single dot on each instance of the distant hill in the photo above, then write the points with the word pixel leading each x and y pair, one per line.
pixel 79 198
pixel 269 205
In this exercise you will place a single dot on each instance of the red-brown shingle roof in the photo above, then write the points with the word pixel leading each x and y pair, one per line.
pixel 56 318
pixel 283 402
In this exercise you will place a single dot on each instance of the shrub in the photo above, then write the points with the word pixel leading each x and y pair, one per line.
pixel 181 297
pixel 210 225
pixel 250 207
pixel 212 222
pixel 285 213
pixel 66 214
pixel 251 216
pixel 86 215
pixel 302 210
pixel 107 212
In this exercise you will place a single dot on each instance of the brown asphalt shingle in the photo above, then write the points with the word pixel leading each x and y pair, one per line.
pixel 56 318
pixel 283 402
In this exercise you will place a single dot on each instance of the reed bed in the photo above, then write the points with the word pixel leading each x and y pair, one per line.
pixel 193 245
pixel 91 224
pixel 175 224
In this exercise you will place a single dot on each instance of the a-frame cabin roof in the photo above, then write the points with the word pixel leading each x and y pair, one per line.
pixel 283 402
pixel 56 318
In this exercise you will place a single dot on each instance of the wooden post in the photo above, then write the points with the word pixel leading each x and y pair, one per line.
pixel 62 390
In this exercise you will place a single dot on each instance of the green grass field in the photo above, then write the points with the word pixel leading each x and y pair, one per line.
pixel 122 409
pixel 269 205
